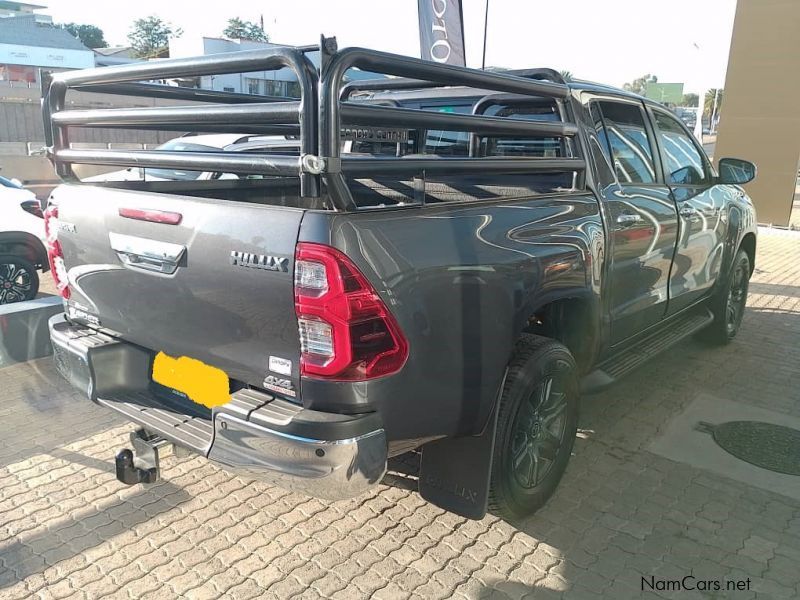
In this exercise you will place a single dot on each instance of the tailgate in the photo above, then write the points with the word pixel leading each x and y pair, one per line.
pixel 217 287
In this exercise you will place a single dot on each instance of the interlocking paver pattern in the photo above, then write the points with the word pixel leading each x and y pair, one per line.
pixel 69 529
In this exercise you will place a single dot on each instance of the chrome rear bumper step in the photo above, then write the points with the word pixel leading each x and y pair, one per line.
pixel 326 455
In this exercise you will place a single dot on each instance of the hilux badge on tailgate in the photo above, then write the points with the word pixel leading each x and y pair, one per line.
pixel 260 261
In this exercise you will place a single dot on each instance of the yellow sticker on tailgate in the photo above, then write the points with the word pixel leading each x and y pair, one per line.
pixel 203 384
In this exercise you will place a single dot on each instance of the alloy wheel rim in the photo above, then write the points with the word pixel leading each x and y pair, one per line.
pixel 736 299
pixel 538 432
pixel 15 282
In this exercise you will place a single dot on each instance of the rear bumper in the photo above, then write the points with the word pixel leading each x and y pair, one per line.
pixel 325 455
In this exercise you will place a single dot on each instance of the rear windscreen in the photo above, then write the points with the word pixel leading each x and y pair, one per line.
pixel 387 191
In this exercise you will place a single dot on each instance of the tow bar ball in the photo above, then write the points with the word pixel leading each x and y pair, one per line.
pixel 140 464
pixel 128 474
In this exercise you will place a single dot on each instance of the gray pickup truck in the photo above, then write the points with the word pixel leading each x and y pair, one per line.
pixel 437 261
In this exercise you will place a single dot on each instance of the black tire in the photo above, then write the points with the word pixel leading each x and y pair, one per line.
pixel 19 279
pixel 729 302
pixel 542 372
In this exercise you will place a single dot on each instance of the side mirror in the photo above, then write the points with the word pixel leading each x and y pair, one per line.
pixel 736 171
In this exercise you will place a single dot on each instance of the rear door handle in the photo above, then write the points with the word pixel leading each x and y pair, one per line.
pixel 628 219
pixel 146 254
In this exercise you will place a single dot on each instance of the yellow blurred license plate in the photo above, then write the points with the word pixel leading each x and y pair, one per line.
pixel 202 383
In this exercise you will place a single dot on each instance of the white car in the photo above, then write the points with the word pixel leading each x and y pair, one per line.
pixel 227 142
pixel 22 236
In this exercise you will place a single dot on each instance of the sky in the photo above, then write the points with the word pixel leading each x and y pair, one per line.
pixel 610 41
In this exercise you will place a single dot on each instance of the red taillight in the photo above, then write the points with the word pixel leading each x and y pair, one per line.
pixel 54 254
pixel 346 331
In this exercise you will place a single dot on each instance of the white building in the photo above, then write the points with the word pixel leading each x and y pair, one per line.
pixel 16 9
pixel 29 41
pixel 270 83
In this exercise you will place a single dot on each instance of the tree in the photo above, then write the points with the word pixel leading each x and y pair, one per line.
pixel 690 100
pixel 238 29
pixel 566 75
pixel 638 86
pixel 90 36
pixel 149 37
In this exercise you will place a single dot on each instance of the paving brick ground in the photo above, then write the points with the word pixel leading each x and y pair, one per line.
pixel 68 529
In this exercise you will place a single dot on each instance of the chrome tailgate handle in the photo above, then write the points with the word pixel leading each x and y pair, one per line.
pixel 146 254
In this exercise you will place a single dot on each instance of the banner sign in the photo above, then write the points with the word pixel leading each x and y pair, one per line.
pixel 441 31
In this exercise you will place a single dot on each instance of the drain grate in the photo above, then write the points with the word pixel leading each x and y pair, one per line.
pixel 765 445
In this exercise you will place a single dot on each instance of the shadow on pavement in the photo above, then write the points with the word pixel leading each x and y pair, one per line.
pixel 40 412
pixel 28 554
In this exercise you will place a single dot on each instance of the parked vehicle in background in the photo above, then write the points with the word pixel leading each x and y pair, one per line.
pixel 688 115
pixel 445 259
pixel 225 142
pixel 22 250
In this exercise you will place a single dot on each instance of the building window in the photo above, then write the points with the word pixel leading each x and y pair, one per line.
pixel 228 89
pixel 253 86
pixel 293 89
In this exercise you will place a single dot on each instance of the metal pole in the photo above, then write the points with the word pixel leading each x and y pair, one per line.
pixel 485 30
pixel 713 124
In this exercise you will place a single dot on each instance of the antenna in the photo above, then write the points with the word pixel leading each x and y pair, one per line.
pixel 485 31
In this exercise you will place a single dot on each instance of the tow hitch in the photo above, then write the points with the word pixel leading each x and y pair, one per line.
pixel 140 465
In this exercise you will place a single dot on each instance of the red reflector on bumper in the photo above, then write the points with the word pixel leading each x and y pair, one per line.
pixel 154 216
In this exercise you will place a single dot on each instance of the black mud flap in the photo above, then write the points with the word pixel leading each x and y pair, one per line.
pixel 454 473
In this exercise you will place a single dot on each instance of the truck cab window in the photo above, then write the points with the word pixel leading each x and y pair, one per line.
pixel 448 143
pixel 540 147
pixel 628 143
pixel 683 163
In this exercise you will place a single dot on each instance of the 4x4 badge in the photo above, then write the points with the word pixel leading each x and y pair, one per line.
pixel 280 385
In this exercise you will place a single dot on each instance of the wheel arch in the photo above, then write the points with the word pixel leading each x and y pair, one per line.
pixel 748 244
pixel 25 245
pixel 573 320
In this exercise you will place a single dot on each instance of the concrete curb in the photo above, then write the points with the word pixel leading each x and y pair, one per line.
pixel 23 329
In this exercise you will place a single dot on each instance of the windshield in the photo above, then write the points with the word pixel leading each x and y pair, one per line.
pixel 178 145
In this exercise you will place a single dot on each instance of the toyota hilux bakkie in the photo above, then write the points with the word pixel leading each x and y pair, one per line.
pixel 439 261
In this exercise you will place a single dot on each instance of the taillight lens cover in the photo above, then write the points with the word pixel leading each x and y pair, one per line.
pixel 55 256
pixel 347 332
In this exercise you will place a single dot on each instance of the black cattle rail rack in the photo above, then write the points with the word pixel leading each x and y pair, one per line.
pixel 317 117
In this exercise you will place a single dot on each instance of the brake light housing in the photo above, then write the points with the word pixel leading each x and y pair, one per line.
pixel 347 332
pixel 55 255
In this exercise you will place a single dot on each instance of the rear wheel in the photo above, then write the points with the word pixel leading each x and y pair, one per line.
pixel 18 279
pixel 537 422
pixel 729 302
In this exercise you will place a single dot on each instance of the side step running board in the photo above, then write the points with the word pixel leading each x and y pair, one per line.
pixel 614 368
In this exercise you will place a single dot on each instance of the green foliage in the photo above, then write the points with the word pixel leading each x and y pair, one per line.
pixel 90 36
pixel 567 75
pixel 639 85
pixel 690 100
pixel 149 37
pixel 239 29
